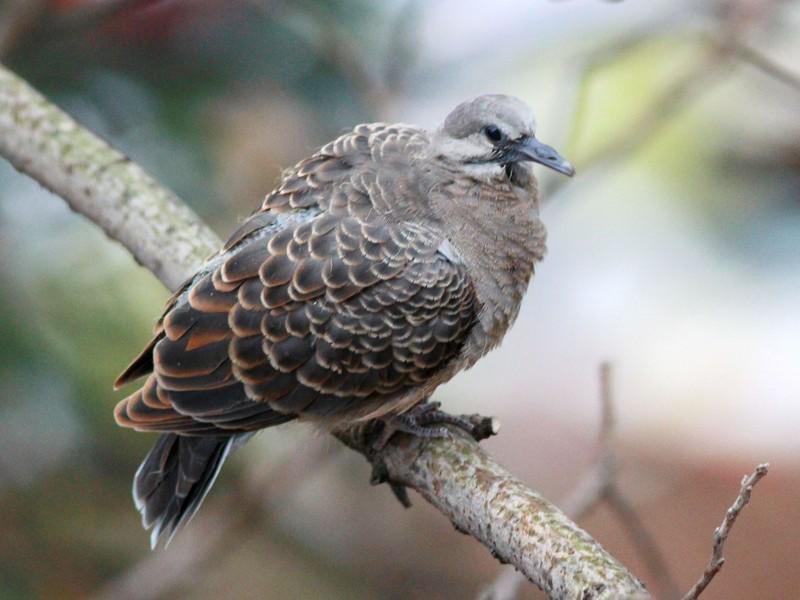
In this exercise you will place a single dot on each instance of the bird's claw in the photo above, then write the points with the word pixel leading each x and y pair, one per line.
pixel 425 420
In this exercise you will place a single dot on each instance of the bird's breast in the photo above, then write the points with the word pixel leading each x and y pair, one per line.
pixel 501 263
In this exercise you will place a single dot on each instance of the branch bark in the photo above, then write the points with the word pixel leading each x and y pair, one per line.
pixel 454 474
pixel 517 524
pixel 161 232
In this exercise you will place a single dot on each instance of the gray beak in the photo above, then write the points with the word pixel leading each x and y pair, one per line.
pixel 529 148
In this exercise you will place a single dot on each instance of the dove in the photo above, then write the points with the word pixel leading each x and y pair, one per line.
pixel 381 266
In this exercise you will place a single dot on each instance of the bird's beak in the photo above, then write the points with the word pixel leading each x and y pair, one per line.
pixel 529 148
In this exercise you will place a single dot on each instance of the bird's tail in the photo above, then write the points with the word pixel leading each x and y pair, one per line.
pixel 175 477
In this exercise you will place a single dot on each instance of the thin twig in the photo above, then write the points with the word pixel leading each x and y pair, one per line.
pixel 764 63
pixel 721 533
pixel 722 49
pixel 592 488
pixel 674 98
pixel 587 494
pixel 645 543
pixel 647 547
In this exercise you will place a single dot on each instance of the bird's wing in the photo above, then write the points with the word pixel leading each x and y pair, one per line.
pixel 319 308
pixel 328 317
pixel 326 181
pixel 365 173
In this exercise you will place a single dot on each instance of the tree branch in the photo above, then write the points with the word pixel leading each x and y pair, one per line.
pixel 518 525
pixel 598 485
pixel 161 232
pixel 455 475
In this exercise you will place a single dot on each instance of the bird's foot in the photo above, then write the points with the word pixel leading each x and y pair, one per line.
pixel 423 420
pixel 426 420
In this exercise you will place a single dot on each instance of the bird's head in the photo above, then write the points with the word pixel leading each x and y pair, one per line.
pixel 493 135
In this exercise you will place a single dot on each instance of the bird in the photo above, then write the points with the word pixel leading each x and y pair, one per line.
pixel 383 264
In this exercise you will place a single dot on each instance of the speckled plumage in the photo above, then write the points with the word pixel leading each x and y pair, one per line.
pixel 381 266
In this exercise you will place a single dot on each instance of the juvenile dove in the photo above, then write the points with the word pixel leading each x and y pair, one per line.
pixel 383 264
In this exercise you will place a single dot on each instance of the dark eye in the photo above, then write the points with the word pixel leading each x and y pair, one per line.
pixel 493 133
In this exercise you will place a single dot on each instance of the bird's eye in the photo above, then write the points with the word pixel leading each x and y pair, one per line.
pixel 493 133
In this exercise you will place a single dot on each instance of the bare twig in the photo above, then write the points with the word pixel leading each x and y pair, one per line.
pixel 721 50
pixel 593 487
pixel 721 533
pixel 573 99
pixel 674 98
pixel 453 474
pixel 589 492
pixel 646 545
pixel 764 63
pixel 599 485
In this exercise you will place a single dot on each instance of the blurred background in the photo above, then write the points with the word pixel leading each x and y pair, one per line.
pixel 675 253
